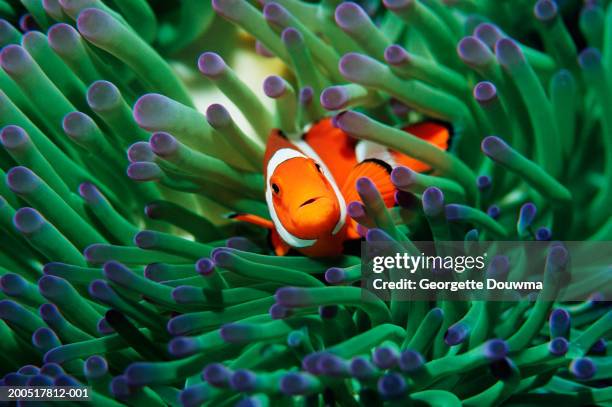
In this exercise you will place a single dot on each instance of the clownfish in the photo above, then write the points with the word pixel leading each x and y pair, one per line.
pixel 309 182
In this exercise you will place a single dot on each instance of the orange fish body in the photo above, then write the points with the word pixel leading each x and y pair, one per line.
pixel 310 182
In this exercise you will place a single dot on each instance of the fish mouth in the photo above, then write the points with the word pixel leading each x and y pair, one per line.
pixel 309 201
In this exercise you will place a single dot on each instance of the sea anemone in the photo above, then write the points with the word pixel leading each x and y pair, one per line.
pixel 136 285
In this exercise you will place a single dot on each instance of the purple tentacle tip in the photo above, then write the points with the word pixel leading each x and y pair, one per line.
pixel 205 266
pixel 385 357
pixel 278 311
pixel 211 64
pixel 402 177
pixel 545 10
pixel 350 16
pixel 95 367
pixel 292 297
pixel 508 53
pixel 306 95
pixel 456 334
pixel 334 98
pixel 182 346
pixel 433 201
pixel 62 37
pixel 495 349
pixel 589 58
pixel 356 67
pixel 543 234
pixel 276 14
pixel 583 368
pixel 558 346
pixel 291 37
pixel 94 23
pixel 294 383
pixel 356 210
pixel 335 275
pixel 493 211
pixel 243 380
pixel 216 374
pixel 140 151
pixel 28 220
pixel 494 147
pixel 485 92
pixel 14 59
pixel 103 96
pixel 262 50
pixel 396 55
pixel 411 361
pixel 218 116
pixel 488 33
pixel 22 180
pixel 144 171
pixel 558 256
pixel 222 257
pixel 274 86
pixel 392 385
pixel 474 52
pixel 163 144
pixel 332 365
pixel 483 182
pixel 14 137
pixel 12 284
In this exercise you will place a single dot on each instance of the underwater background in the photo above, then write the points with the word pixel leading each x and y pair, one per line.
pixel 130 129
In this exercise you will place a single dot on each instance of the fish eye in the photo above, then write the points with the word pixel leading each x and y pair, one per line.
pixel 318 167
pixel 275 188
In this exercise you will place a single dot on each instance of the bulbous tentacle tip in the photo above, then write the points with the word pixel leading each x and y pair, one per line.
pixel 583 368
pixel 411 360
pixel 52 286
pixel 276 14
pixel 182 346
pixel 150 110
pixel 474 52
pixel 589 58
pixel 218 116
pixel 356 210
pixel 243 380
pixel 94 24
pixel 204 266
pixel 222 257
pixel 392 385
pixel 211 65
pixel 350 16
pixel 144 171
pixel 103 96
pixel 77 124
pixel 291 297
pixel 306 95
pixel 545 10
pixel 335 275
pixel 22 180
pixel 216 374
pixel 350 121
pixel 163 144
pixel 274 86
pixel 334 98
pixel 12 284
pixel 357 67
pixel 433 201
pixel 494 146
pixel 230 9
pixel 396 55
pixel 28 220
pixel 495 349
pixel 14 59
pixel 140 152
pixel 508 53
pixel 14 137
pixel 485 92
pixel 558 346
pixel 483 182
pixel 558 255
pixel 294 384
pixel 95 367
pixel 456 334
pixel 402 177
pixel 62 36
pixel 292 37
pixel 488 33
